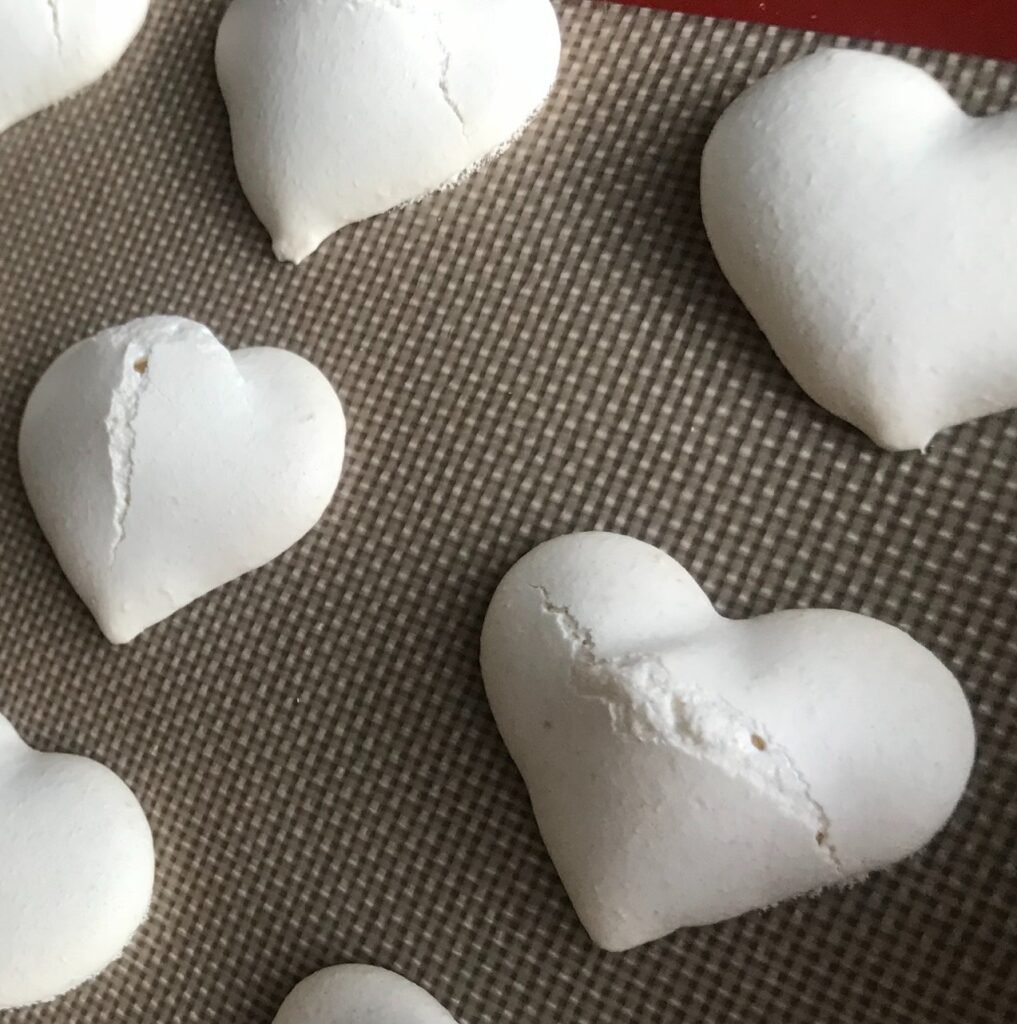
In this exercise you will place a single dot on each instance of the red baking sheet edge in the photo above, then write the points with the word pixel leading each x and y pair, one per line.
pixel 984 27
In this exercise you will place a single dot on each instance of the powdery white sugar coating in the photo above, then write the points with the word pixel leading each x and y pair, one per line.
pixel 685 768
pixel 343 109
pixel 50 49
pixel 870 226
pixel 160 465
pixel 359 994
pixel 76 870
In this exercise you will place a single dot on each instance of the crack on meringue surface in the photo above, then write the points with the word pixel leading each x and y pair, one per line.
pixel 54 16
pixel 427 13
pixel 647 704
pixel 125 405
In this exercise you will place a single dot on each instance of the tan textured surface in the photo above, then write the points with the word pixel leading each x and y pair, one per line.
pixel 548 347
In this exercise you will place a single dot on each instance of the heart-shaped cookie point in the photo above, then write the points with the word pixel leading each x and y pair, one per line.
pixel 161 466
pixel 76 870
pixel 870 227
pixel 360 994
pixel 51 49
pixel 343 109
pixel 685 768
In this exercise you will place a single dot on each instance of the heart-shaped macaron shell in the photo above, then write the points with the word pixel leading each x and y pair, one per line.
pixel 685 768
pixel 160 465
pixel 76 870
pixel 51 49
pixel 360 994
pixel 870 226
pixel 343 109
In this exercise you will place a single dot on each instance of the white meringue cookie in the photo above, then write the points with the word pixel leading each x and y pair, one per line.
pixel 685 768
pixel 870 226
pixel 161 466
pixel 51 49
pixel 359 994
pixel 343 109
pixel 76 870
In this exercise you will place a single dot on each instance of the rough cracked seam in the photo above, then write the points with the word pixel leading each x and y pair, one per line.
pixel 443 84
pixel 121 437
pixel 443 78
pixel 54 15
pixel 645 703
pixel 446 55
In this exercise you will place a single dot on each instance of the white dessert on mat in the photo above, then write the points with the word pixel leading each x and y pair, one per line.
pixel 76 870
pixel 51 49
pixel 343 109
pixel 870 227
pixel 360 994
pixel 685 768
pixel 161 466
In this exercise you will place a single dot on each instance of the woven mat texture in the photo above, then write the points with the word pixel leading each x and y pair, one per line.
pixel 549 347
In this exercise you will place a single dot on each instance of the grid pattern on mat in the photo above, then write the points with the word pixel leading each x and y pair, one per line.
pixel 548 347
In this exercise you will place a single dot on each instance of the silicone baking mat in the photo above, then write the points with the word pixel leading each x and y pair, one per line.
pixel 548 347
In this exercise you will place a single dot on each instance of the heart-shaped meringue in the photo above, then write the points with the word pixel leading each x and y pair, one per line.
pixel 685 768
pixel 51 49
pixel 359 994
pixel 343 109
pixel 161 466
pixel 76 870
pixel 870 226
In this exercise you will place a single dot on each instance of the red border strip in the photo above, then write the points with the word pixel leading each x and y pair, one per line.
pixel 984 27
